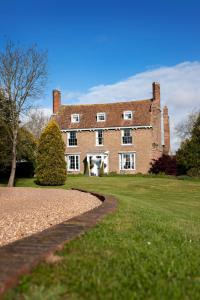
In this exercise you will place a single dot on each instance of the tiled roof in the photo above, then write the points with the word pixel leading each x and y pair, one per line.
pixel 114 115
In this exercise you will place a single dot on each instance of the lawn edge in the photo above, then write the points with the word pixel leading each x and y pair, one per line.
pixel 20 257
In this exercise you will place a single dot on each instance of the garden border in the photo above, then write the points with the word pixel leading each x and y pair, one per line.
pixel 20 257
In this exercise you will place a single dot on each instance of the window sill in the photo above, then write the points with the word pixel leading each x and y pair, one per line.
pixel 72 146
pixel 126 144
pixel 127 170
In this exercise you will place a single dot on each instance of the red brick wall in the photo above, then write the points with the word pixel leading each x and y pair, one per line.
pixel 142 145
pixel 147 143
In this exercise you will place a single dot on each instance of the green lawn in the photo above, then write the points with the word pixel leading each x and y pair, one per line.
pixel 148 249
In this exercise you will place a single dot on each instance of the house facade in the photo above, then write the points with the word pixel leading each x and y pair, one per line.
pixel 121 137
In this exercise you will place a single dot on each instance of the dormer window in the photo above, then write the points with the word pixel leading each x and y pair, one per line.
pixel 101 117
pixel 128 115
pixel 75 118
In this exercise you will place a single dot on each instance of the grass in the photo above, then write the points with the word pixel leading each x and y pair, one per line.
pixel 148 249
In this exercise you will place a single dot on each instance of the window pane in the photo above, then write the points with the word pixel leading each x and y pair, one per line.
pixel 75 118
pixel 99 137
pixel 132 162
pixel 128 115
pixel 73 162
pixel 101 117
pixel 127 132
pixel 72 135
pixel 127 164
pixel 77 163
pixel 127 138
pixel 72 139
pixel 127 161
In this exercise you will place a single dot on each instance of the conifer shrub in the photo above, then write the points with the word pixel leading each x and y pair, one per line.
pixel 51 165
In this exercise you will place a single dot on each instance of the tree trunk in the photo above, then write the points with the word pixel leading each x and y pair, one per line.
pixel 14 154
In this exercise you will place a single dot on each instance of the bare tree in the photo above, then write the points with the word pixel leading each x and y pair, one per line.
pixel 37 121
pixel 23 75
pixel 184 128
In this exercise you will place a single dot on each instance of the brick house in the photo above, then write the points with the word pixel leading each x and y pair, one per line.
pixel 121 137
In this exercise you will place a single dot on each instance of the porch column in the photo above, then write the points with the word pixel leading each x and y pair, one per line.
pixel 88 162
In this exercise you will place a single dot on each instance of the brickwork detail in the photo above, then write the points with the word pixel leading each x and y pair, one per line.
pixel 56 101
pixel 156 122
pixel 166 128
pixel 142 140
pixel 19 257
pixel 147 139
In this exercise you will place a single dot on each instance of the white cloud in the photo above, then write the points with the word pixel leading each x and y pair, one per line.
pixel 71 95
pixel 180 90
pixel 46 111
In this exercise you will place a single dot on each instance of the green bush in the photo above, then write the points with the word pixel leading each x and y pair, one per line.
pixel 184 177
pixel 194 172
pixel 25 169
pixel 188 155
pixel 164 165
pixel 51 165
pixel 101 170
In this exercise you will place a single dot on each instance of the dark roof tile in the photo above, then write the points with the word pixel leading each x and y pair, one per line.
pixel 114 115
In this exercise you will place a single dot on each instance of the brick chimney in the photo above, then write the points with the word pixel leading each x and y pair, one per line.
pixel 166 148
pixel 156 93
pixel 157 148
pixel 56 101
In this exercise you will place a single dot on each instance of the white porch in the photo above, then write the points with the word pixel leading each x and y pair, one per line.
pixel 95 161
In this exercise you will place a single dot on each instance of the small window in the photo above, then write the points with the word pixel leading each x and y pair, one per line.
pixel 128 115
pixel 73 163
pixel 101 117
pixel 127 161
pixel 99 138
pixel 75 118
pixel 126 136
pixel 72 139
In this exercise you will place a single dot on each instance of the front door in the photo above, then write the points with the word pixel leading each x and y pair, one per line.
pixel 96 166
pixel 95 162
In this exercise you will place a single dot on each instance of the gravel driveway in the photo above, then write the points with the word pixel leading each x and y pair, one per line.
pixel 24 211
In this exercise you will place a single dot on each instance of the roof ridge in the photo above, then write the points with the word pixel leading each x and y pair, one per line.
pixel 108 103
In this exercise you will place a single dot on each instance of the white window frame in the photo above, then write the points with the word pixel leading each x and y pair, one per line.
pixel 77 159
pixel 73 120
pixel 126 114
pixel 100 115
pixel 68 138
pixel 132 161
pixel 97 137
pixel 122 135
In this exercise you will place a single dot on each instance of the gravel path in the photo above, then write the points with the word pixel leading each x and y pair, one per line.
pixel 24 211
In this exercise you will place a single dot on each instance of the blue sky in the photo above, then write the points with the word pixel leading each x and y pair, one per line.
pixel 93 44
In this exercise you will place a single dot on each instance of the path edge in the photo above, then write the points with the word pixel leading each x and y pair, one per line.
pixel 20 257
